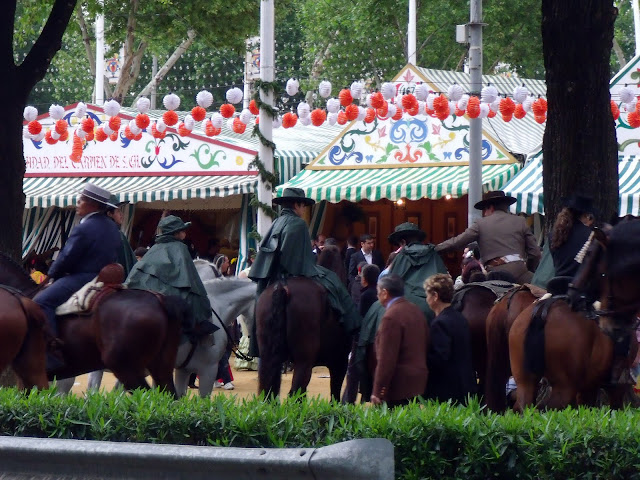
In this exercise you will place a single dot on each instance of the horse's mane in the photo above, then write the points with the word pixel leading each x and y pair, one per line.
pixel 15 269
pixel 623 248
pixel 331 259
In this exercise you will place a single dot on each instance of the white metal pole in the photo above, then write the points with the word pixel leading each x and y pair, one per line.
pixel 267 68
pixel 154 88
pixel 411 30
pixel 475 127
pixel 247 91
pixel 636 23
pixel 100 59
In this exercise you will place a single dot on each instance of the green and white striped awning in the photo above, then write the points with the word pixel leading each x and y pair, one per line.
pixel 395 183
pixel 526 187
pixel 64 191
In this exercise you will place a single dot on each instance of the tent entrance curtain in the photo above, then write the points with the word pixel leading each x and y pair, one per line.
pixel 46 228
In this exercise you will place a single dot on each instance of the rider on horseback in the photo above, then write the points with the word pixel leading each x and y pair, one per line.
pixel 93 243
pixel 285 251
pixel 167 268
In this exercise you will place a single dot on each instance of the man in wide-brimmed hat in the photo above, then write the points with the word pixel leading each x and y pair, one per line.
pixel 168 268
pixel 126 257
pixel 285 251
pixel 506 242
pixel 93 243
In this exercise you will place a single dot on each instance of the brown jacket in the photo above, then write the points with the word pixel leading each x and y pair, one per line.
pixel 401 352
pixel 498 235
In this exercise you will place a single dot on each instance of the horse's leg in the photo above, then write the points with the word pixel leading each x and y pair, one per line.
pixel 302 377
pixel 63 386
pixel 181 381
pixel 561 397
pixel 131 379
pixel 30 363
pixel 337 372
pixel 163 377
pixel 206 379
pixel 95 380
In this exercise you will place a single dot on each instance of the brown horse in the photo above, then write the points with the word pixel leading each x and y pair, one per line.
pixel 296 323
pixel 499 322
pixel 131 332
pixel 574 353
pixel 22 343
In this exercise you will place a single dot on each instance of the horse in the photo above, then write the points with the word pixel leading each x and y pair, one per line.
pixel 130 332
pixel 573 352
pixel 498 324
pixel 22 340
pixel 296 323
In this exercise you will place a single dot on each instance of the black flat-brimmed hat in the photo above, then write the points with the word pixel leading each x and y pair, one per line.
pixel 295 195
pixel 580 203
pixel 96 193
pixel 493 198
pixel 404 230
pixel 172 224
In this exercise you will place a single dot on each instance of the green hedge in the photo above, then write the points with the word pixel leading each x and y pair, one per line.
pixel 431 440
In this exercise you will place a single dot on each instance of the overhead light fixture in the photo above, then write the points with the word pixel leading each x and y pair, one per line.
pixel 447 197
pixel 400 202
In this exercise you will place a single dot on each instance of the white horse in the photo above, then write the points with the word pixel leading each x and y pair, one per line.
pixel 229 298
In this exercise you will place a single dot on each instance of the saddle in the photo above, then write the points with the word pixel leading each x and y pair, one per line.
pixel 108 281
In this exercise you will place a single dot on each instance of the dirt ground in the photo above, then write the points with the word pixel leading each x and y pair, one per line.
pixel 245 383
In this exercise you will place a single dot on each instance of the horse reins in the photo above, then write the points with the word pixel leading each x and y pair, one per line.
pixel 234 345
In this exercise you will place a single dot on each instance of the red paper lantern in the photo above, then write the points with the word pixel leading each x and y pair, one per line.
pixel 210 130
pixel 408 101
pixel 289 120
pixel 76 150
pixel 615 111
pixel 430 111
pixel 633 119
pixel 370 116
pixel 138 137
pixel 519 113
pixel 540 118
pixel 351 112
pixel 114 136
pixel 443 113
pixel 342 118
pixel 227 110
pixel 128 134
pixel 49 139
pixel 345 97
pixel 198 113
pixel 318 117
pixel 507 107
pixel 398 114
pixel 64 136
pixel 440 103
pixel 253 108
pixel 100 135
pixel 142 120
pixel 491 114
pixel 458 112
pixel 114 123
pixel 414 110
pixel 377 100
pixel 34 127
pixel 383 110
pixel 182 130
pixel 507 118
pixel 238 126
pixel 473 107
pixel 155 133
pixel 170 118
pixel 539 107
pixel 61 126
pixel 89 137
pixel 88 125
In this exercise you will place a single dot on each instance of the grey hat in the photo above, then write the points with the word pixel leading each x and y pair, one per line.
pixel 404 230
pixel 293 194
pixel 97 194
pixel 172 224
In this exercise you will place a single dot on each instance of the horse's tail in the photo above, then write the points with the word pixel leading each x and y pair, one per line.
pixel 498 367
pixel 273 347
pixel 534 344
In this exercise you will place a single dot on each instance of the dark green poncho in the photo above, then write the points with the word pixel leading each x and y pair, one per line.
pixel 126 258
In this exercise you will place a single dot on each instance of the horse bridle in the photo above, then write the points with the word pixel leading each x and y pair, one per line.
pixel 234 346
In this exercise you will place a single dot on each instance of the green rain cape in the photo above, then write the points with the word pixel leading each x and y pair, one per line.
pixel 126 258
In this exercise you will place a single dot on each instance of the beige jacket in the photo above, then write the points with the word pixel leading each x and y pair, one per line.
pixel 498 235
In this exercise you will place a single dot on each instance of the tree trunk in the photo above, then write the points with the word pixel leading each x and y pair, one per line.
pixel 579 146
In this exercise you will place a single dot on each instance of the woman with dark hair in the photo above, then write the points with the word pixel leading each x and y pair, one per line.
pixel 570 232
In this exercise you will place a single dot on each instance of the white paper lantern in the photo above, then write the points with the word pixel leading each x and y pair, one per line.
pixel 626 95
pixel 422 108
pixel 230 124
pixel 462 103
pixel 107 129
pixel 306 121
pixel 143 104
pixel 30 113
pixel 368 100
pixel 430 98
pixel 362 112
pixel 56 112
pixel 324 89
pixel 25 131
pixel 234 95
pixel 421 91
pixel 631 106
pixel 452 106
pixel 333 105
pixel 39 137
pixel 388 90
pixel 189 122
pixel 484 110
pixel 392 110
pixel 277 122
pixel 161 126
pixel 332 118
pixel 455 92
pixel 81 110
pixel 488 94
pixel 171 101
pixel 246 116
pixel 520 94
pixel 80 133
pixel 134 128
pixel 526 105
pixel 204 99
pixel 292 87
pixel 111 108
pixel 495 106
pixel 217 120
pixel 356 90
pixel 303 110
pixel 55 135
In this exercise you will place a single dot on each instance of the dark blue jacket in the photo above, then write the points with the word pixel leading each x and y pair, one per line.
pixel 92 244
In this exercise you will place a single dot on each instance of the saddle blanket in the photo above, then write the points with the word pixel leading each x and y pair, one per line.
pixel 80 301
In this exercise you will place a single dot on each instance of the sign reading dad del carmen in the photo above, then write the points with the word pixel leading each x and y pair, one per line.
pixel 173 155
